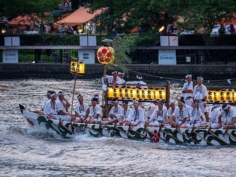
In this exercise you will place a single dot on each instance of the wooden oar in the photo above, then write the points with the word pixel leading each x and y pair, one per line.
pixel 130 129
pixel 202 138
pixel 126 134
pixel 226 132
pixel 104 128
pixel 94 130
pixel 184 134
pixel 209 131
pixel 171 136
pixel 63 126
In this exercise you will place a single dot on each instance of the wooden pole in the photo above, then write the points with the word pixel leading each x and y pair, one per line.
pixel 73 94
pixel 105 91
pixel 167 94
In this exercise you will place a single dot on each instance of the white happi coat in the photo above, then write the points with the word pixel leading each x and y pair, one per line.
pixel 61 105
pixel 214 114
pixel 188 86
pixel 157 119
pixel 48 109
pixel 44 103
pixel 136 116
pixel 194 117
pixel 180 114
pixel 151 109
pixel 81 109
pixel 117 111
pixel 95 110
pixel 227 117
pixel 199 92
pixel 125 113
pixel 170 112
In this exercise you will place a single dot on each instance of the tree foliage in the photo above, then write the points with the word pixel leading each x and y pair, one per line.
pixel 123 45
pixel 13 8
pixel 152 14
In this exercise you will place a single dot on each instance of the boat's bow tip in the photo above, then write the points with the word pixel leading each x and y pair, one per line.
pixel 21 108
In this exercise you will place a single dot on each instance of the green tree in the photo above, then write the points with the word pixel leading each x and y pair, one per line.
pixel 152 14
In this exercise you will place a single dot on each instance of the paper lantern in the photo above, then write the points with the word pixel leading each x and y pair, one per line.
pixel 110 92
pixel 78 68
pixel 105 55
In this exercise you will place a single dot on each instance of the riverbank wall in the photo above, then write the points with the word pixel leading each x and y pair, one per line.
pixel 93 71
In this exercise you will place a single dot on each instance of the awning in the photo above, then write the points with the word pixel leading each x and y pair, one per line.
pixel 80 16
pixel 22 20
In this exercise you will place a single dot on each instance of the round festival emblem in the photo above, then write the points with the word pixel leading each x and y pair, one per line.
pixel 155 136
pixel 105 55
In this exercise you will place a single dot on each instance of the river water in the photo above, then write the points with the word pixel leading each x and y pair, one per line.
pixel 25 151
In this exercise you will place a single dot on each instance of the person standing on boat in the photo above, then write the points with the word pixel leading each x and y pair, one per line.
pixel 227 117
pixel 81 109
pixel 95 112
pixel 62 106
pixel 200 95
pixel 136 116
pixel 50 107
pixel 159 115
pixel 125 112
pixel 215 112
pixel 188 90
pixel 115 113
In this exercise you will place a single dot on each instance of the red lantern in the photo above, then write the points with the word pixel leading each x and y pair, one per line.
pixel 105 55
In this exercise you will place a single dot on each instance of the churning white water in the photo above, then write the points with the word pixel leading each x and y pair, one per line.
pixel 25 151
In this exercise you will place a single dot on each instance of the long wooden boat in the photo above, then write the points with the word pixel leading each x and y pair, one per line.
pixel 148 134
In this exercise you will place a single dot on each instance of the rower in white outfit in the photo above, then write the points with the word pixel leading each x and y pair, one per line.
pixel 81 109
pixel 200 95
pixel 115 113
pixel 62 106
pixel 188 90
pixel 151 108
pixel 136 116
pixel 227 117
pixel 171 109
pixel 180 115
pixel 125 112
pixel 215 112
pixel 95 112
pixel 50 107
pixel 194 113
pixel 159 115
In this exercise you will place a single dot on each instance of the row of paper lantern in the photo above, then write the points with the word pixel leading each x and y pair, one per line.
pixel 221 95
pixel 137 93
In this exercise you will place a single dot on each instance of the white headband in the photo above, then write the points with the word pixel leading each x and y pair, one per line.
pixel 188 75
pixel 60 93
pixel 52 94
pixel 226 107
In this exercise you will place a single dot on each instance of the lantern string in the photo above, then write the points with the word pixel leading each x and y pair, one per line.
pixel 169 78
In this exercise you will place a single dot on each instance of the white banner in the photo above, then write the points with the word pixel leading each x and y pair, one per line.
pixel 10 56
pixel 167 57
pixel 87 56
